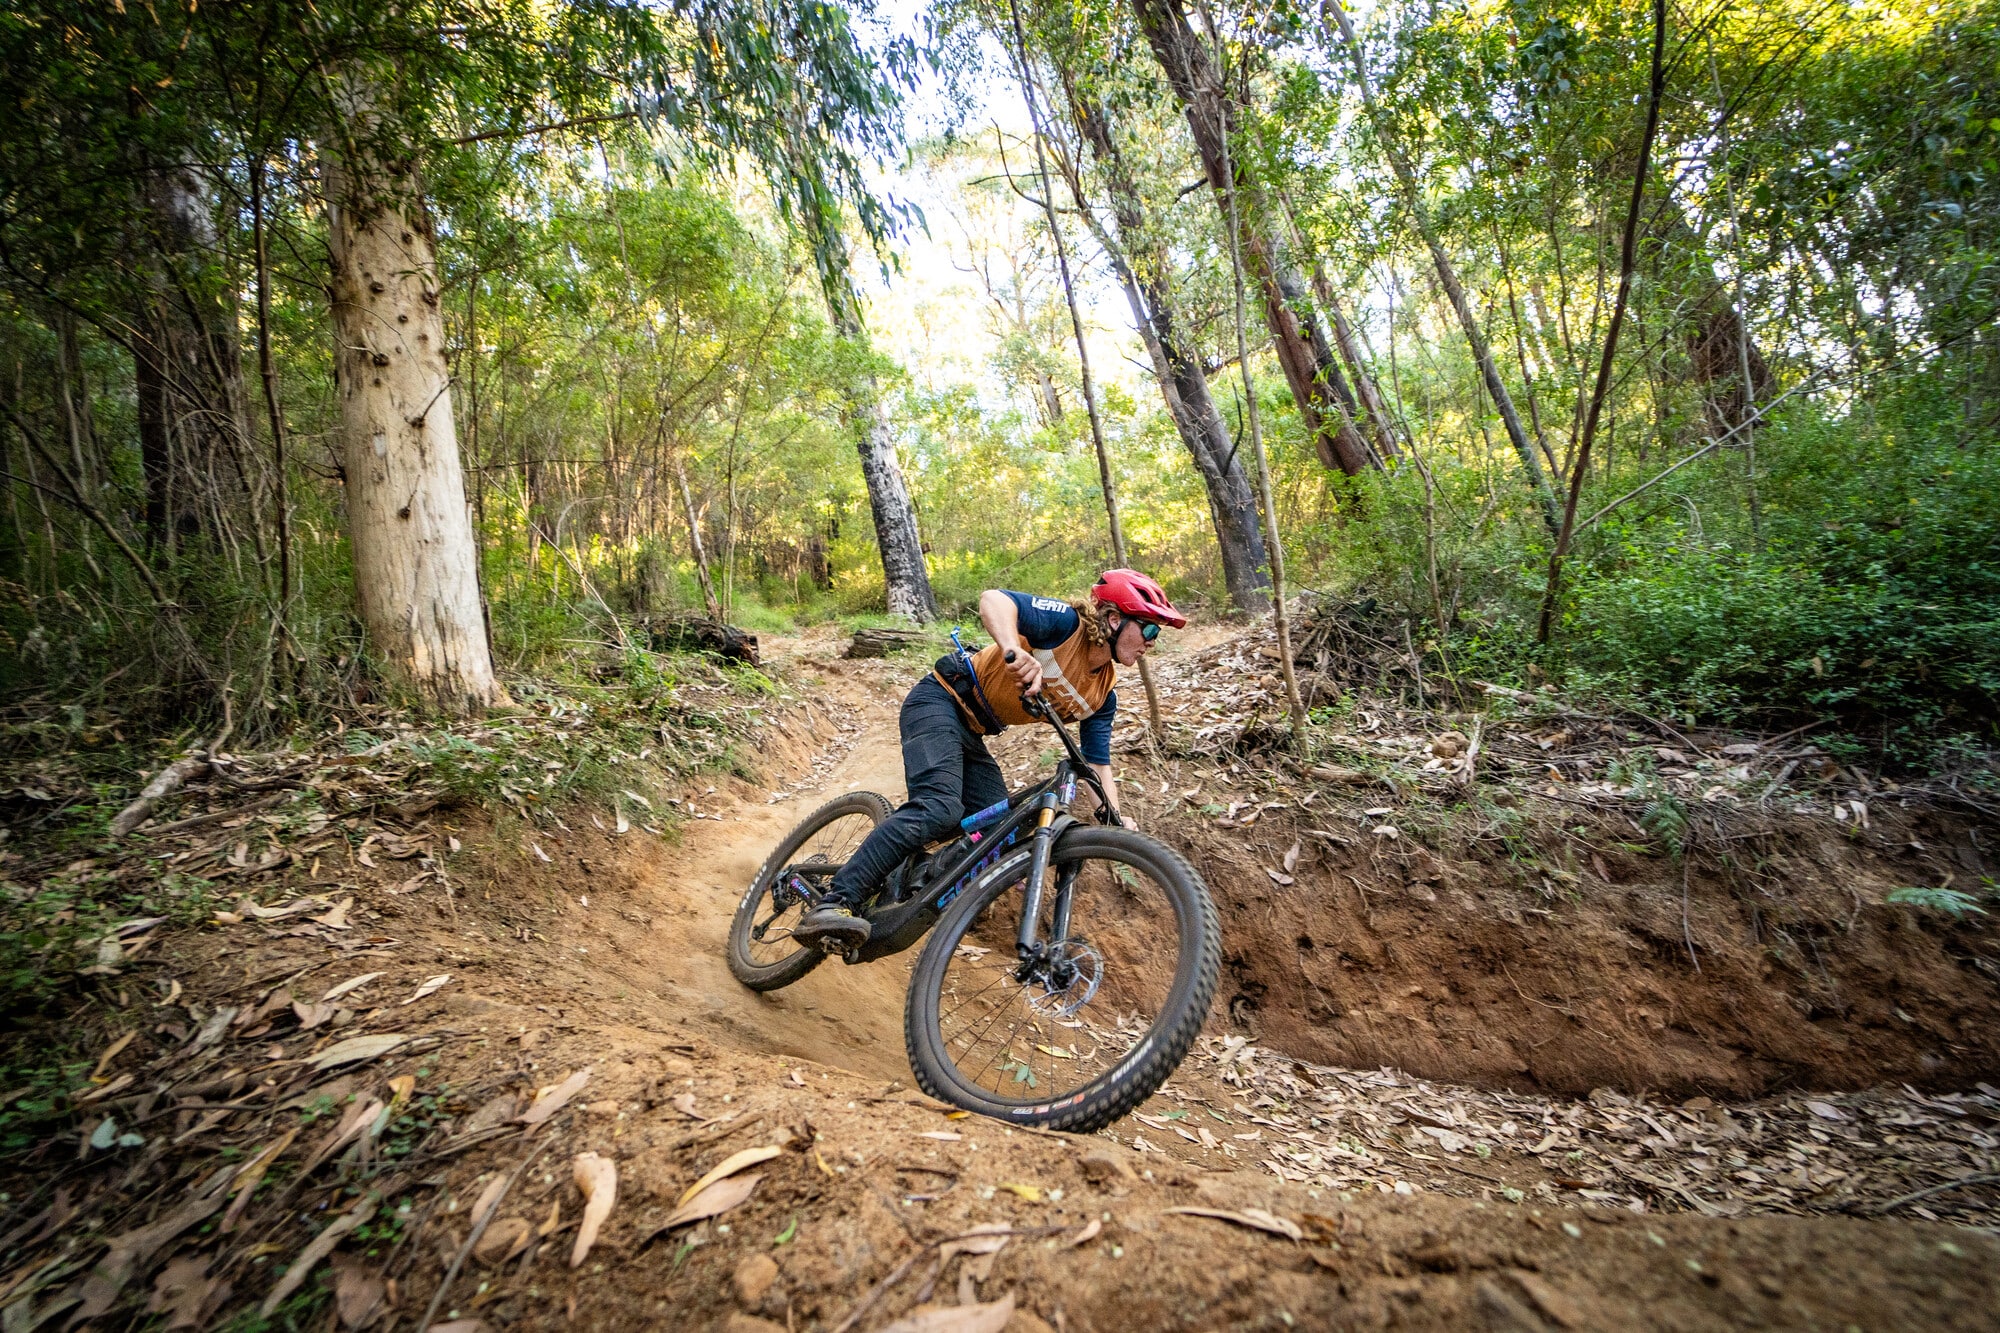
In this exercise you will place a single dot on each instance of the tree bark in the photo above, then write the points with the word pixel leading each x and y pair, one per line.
pixel 1311 370
pixel 906 580
pixel 1119 553
pixel 1722 356
pixel 1482 352
pixel 1140 263
pixel 188 375
pixel 708 597
pixel 415 557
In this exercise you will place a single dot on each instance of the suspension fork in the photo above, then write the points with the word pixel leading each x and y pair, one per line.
pixel 1025 944
pixel 1038 866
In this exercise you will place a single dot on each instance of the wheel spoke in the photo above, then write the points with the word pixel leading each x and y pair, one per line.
pixel 1043 1039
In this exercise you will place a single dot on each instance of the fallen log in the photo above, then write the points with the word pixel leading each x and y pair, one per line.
pixel 702 635
pixel 882 642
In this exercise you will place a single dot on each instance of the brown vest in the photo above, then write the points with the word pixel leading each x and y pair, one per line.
pixel 1068 683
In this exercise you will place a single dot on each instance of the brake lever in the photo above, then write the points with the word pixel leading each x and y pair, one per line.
pixel 1031 703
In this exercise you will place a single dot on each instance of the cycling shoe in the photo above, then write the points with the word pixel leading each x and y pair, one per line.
pixel 833 928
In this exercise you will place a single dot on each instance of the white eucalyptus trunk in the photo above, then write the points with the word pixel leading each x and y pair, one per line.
pixel 415 554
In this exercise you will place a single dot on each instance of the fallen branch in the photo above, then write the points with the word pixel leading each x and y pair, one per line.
pixel 479 1225
pixel 1961 1183
pixel 170 779
pixel 164 784
pixel 902 1270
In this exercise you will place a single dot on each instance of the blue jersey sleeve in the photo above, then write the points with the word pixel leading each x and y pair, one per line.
pixel 1045 621
pixel 1094 737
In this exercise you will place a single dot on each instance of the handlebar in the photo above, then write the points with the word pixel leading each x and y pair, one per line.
pixel 1037 708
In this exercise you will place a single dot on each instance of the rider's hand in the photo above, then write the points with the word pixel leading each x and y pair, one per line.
pixel 1027 671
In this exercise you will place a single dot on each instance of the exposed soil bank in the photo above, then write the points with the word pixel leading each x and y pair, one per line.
pixel 1781 968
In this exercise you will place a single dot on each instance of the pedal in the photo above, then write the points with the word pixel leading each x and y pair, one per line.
pixel 852 956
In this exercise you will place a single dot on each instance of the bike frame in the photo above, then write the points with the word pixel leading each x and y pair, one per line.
pixel 896 926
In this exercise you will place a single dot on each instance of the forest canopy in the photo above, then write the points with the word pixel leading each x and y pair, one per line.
pixel 359 349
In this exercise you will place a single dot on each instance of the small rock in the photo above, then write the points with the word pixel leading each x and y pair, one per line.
pixel 753 1278
pixel 1449 746
pixel 1026 1321
pixel 606 1109
pixel 500 1237
pixel 1101 1168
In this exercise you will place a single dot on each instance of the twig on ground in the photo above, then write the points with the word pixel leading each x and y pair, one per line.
pixel 479 1225
pixel 1961 1183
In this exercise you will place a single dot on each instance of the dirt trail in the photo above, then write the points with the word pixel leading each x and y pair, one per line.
pixel 851 1017
pixel 1323 1197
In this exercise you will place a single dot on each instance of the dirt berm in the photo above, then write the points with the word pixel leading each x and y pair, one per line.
pixel 1560 1149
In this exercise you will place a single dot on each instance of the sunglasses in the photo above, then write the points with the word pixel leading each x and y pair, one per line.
pixel 1148 630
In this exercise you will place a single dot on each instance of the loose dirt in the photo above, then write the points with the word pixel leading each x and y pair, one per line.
pixel 1472 1191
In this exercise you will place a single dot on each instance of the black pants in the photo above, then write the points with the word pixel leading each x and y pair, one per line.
pixel 949 775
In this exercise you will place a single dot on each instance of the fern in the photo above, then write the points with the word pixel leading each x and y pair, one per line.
pixel 1955 903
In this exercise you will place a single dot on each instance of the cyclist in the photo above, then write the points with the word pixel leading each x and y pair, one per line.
pixel 1067 652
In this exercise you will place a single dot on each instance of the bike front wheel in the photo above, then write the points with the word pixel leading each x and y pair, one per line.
pixel 1097 1024
pixel 762 953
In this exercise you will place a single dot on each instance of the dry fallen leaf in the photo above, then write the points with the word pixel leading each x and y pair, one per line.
pixel 110 1054
pixel 597 1177
pixel 1292 857
pixel 684 1103
pixel 358 1048
pixel 1089 1233
pixel 351 984
pixel 990 1317
pixel 357 1291
pixel 1255 1218
pixel 183 1288
pixel 337 918
pixel 1278 877
pixel 1031 1193
pixel 551 1099
pixel 430 987
pixel 489 1199
pixel 541 855
pixel 729 1166
pixel 320 1246
pixel 714 1201
pixel 502 1240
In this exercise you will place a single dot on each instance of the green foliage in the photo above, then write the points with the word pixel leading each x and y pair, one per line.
pixel 1954 903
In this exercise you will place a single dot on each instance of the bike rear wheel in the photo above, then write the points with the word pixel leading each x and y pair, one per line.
pixel 1098 1027
pixel 762 954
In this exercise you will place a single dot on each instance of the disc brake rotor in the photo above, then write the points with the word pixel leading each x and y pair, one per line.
pixel 1068 977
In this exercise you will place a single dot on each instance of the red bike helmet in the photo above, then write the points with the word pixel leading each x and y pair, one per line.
pixel 1136 595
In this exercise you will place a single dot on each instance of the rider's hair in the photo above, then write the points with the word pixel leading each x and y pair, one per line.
pixel 1095 616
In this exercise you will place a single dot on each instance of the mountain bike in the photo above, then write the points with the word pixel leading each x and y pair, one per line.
pixel 1071 966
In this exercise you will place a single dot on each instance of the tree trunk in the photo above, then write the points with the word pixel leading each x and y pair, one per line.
pixel 1482 352
pixel 188 374
pixel 415 557
pixel 1722 357
pixel 1140 264
pixel 708 598
pixel 907 583
pixel 1308 361
pixel 1120 554
pixel 1370 408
